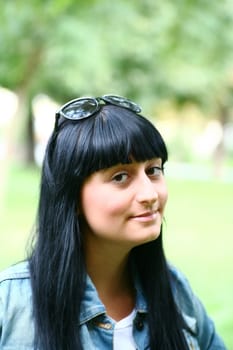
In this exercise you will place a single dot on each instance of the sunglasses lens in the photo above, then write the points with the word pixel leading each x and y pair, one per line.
pixel 122 102
pixel 80 109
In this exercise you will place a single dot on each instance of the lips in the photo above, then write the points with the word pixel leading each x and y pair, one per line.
pixel 146 213
pixel 145 216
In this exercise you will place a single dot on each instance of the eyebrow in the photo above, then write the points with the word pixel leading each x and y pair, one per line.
pixel 129 165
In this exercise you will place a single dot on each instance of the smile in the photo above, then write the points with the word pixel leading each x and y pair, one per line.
pixel 145 217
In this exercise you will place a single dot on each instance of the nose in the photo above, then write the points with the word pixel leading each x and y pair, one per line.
pixel 146 191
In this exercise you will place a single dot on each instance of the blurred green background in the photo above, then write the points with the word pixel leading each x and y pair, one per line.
pixel 175 58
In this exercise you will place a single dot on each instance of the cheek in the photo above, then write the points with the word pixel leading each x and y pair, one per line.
pixel 112 205
pixel 94 202
pixel 163 194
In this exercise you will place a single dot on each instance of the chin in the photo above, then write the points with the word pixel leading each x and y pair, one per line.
pixel 148 239
pixel 154 236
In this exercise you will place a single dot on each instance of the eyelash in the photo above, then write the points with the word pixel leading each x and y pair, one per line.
pixel 156 172
pixel 119 175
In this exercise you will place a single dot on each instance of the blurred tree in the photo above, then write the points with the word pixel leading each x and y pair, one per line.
pixel 27 34
pixel 148 50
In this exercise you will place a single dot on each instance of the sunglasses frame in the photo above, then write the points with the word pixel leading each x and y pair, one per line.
pixel 115 100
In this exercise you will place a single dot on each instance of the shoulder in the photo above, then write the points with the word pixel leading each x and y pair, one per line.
pixel 186 300
pixel 193 311
pixel 15 279
pixel 16 306
pixel 15 272
pixel 15 285
pixel 180 286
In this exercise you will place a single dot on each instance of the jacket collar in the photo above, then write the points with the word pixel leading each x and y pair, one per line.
pixel 92 306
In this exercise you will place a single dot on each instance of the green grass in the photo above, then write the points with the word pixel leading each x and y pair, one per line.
pixel 198 236
pixel 18 213
pixel 199 240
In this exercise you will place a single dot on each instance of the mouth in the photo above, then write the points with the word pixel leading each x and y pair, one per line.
pixel 146 216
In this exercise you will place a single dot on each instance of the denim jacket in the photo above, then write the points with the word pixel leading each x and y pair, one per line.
pixel 96 328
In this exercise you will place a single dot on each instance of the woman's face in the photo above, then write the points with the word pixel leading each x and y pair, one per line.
pixel 124 205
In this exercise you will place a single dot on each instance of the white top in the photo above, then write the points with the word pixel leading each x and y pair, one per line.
pixel 123 333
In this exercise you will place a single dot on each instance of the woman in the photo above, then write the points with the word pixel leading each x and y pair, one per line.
pixel 98 277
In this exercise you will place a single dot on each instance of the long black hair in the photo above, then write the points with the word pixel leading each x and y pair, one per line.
pixel 75 150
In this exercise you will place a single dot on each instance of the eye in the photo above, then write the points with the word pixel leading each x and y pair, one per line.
pixel 120 177
pixel 154 171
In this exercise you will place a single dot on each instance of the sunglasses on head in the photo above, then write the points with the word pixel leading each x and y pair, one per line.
pixel 85 107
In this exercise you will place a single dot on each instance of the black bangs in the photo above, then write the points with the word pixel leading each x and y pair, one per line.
pixel 117 135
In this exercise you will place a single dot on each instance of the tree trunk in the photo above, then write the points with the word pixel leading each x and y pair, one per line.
pixel 219 155
pixel 20 136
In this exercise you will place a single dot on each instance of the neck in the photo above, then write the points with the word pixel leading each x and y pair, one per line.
pixel 108 269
